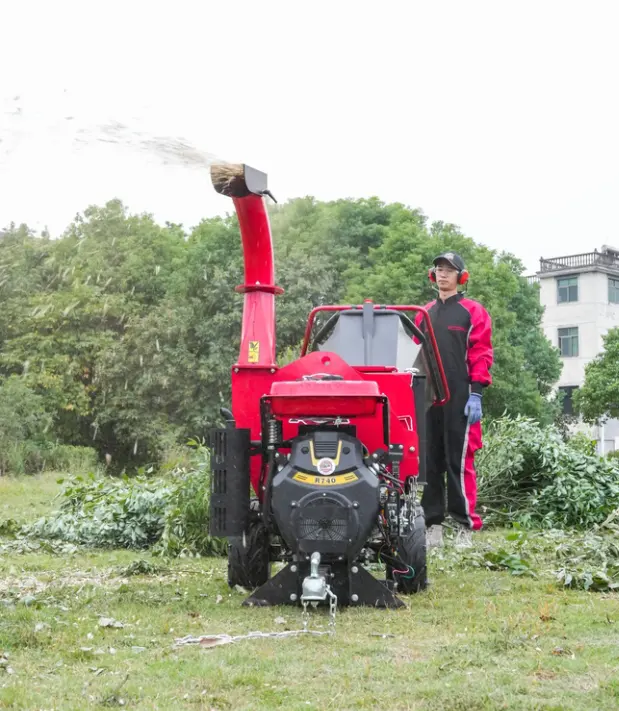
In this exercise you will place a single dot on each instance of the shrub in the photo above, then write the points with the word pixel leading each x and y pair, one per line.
pixel 25 447
pixel 67 458
pixel 170 511
pixel 582 443
pixel 529 474
pixel 23 422
pixel 29 457
pixel 104 512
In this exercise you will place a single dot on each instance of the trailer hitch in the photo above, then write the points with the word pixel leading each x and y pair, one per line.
pixel 315 589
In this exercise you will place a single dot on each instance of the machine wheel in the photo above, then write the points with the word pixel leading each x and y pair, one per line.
pixel 248 560
pixel 412 550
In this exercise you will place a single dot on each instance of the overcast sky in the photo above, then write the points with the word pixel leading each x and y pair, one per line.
pixel 500 117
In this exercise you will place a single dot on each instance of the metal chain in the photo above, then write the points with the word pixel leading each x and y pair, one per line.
pixel 332 612
pixel 213 640
pixel 217 639
pixel 305 615
pixel 332 608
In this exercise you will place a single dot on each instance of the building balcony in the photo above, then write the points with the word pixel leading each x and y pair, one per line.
pixel 606 260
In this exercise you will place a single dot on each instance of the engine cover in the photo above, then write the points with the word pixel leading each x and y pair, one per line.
pixel 325 498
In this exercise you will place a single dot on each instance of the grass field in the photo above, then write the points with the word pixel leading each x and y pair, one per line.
pixel 476 639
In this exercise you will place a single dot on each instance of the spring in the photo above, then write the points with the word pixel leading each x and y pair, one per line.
pixel 274 432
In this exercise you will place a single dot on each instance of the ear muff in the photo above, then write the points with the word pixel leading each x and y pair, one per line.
pixel 463 276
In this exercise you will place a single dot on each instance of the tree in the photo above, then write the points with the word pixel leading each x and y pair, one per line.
pixel 598 398
pixel 127 330
pixel 526 364
pixel 22 418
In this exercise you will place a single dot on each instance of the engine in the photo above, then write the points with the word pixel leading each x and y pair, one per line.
pixel 325 499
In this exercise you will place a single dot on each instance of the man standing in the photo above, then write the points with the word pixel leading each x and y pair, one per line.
pixel 463 332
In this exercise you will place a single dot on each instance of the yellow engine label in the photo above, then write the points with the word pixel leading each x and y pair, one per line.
pixel 253 352
pixel 313 480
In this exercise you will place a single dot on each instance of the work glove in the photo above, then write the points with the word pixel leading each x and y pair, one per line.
pixel 473 408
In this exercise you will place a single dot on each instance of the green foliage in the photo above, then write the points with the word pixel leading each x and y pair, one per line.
pixel 24 444
pixel 515 563
pixel 577 560
pixel 590 562
pixel 526 364
pixel 187 517
pixel 107 513
pixel 598 398
pixel 127 330
pixel 582 443
pixel 613 455
pixel 528 473
pixel 168 513
pixel 29 457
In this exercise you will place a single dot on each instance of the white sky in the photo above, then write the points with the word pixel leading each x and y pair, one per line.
pixel 500 117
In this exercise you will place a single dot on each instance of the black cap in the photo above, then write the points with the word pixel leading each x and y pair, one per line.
pixel 452 258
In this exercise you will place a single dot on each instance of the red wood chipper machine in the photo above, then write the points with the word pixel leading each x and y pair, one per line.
pixel 319 461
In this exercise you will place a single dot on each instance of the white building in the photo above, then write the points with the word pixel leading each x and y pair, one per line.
pixel 580 294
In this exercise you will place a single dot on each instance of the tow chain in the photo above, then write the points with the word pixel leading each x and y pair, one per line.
pixel 305 615
pixel 214 640
pixel 332 608
pixel 332 612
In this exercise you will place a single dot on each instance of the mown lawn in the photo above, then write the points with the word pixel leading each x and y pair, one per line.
pixel 477 639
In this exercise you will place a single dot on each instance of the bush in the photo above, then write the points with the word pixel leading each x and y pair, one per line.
pixel 582 443
pixel 107 513
pixel 66 458
pixel 103 512
pixel 29 457
pixel 582 560
pixel 25 447
pixel 529 474
pixel 23 422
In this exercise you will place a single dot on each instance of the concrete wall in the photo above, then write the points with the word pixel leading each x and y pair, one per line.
pixel 592 314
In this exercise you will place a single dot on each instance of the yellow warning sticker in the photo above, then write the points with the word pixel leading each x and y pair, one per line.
pixel 253 354
pixel 313 480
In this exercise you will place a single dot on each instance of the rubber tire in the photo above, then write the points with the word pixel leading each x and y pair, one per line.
pixel 249 565
pixel 412 550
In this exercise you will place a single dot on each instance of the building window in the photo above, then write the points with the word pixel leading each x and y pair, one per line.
pixel 568 342
pixel 613 291
pixel 567 404
pixel 567 290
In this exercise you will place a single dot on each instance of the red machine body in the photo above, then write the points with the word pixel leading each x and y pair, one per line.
pixel 377 400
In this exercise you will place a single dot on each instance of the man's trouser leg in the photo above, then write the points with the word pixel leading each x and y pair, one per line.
pixel 462 441
pixel 433 498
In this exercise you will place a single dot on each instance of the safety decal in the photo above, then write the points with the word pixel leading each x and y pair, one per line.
pixel 253 354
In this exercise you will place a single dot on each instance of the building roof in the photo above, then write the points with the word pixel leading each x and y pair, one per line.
pixel 606 260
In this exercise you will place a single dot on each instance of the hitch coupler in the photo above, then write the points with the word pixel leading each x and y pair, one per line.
pixel 315 587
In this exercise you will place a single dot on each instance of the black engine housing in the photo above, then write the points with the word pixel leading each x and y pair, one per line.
pixel 325 498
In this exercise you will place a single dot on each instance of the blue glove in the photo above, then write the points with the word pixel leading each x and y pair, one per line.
pixel 473 408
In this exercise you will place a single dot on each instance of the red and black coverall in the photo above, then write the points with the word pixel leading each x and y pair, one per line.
pixel 463 331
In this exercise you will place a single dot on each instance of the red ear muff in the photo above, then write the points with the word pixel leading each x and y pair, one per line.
pixel 432 274
pixel 463 277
